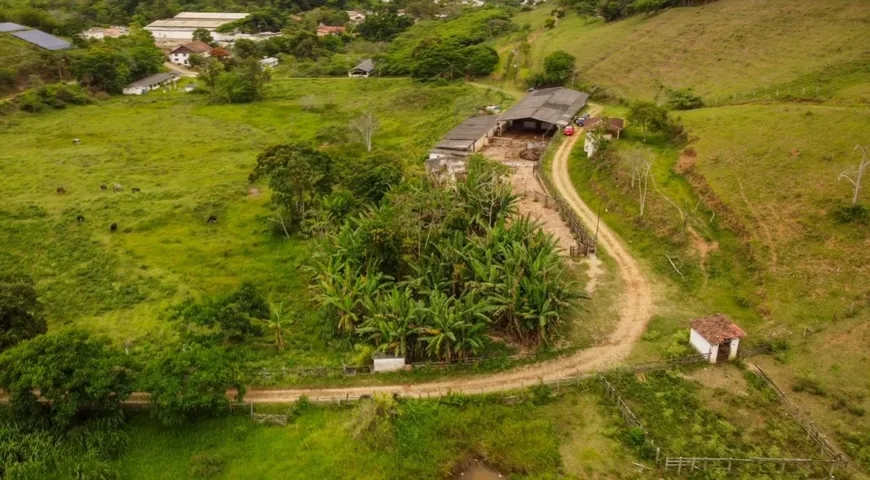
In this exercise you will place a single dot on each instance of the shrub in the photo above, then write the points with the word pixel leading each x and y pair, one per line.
pixel 852 214
pixel 684 99
pixel 809 385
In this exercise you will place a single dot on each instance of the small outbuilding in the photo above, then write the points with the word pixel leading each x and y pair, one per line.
pixel 716 336
pixel 268 62
pixel 145 85
pixel 324 30
pixel 387 363
pixel 363 70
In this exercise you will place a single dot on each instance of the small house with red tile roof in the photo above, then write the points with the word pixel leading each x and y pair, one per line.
pixel 717 336
pixel 324 30
pixel 181 54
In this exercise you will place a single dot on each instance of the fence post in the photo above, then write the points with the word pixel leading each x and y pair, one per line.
pixel 658 452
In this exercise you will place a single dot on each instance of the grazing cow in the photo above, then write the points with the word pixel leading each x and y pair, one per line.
pixel 135 190
pixel 117 187
pixel 76 141
pixel 80 218
pixel 114 227
pixel 61 190
pixel 103 187
pixel 212 219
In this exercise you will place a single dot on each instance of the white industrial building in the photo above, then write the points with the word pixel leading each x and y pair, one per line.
pixel 716 336
pixel 182 26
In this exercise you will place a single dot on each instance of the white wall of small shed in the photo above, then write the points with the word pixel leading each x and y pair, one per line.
pixel 703 346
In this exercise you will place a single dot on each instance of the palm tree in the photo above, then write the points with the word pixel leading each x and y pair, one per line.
pixel 279 319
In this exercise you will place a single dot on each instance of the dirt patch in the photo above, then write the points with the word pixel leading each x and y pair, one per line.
pixel 725 377
pixel 253 192
pixel 475 470
pixel 594 273
pixel 687 160
pixel 537 205
pixel 702 246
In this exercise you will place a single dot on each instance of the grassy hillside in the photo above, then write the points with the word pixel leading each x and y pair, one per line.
pixel 190 160
pixel 725 48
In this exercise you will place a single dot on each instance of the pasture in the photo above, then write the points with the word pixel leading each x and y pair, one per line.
pixel 724 48
pixel 190 160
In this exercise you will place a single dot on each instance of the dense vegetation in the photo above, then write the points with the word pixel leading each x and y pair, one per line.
pixel 426 271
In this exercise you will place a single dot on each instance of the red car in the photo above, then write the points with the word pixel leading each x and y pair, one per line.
pixel 569 130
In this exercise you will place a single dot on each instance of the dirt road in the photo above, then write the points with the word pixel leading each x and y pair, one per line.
pixel 635 311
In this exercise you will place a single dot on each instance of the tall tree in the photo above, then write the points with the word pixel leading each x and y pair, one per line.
pixel 366 125
pixel 74 372
pixel 21 315
pixel 203 35
pixel 649 116
pixel 299 176
pixel 190 381
pixel 856 175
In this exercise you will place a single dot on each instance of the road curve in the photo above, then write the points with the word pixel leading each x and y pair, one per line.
pixel 635 311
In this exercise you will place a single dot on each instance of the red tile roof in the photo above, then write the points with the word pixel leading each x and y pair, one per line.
pixel 615 123
pixel 717 328
pixel 330 29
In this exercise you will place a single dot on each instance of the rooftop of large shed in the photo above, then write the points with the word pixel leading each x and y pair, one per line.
pixel 555 105
pixel 473 128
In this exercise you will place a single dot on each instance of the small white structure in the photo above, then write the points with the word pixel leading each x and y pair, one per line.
pixel 98 33
pixel 181 54
pixel 356 16
pixel 388 363
pixel 268 62
pixel 141 87
pixel 716 336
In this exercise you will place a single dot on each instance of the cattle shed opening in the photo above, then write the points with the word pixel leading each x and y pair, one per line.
pixel 545 110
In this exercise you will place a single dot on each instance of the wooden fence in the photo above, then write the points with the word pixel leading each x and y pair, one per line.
pixel 586 243
pixel 691 464
pixel 803 420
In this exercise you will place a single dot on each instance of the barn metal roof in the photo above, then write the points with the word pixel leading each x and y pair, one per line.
pixel 555 105
pixel 155 79
pixel 473 128
pixel 11 27
pixel 187 20
pixel 42 39
pixel 367 65
pixel 455 144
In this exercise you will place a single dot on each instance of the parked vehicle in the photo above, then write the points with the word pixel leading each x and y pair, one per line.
pixel 569 130
pixel 582 119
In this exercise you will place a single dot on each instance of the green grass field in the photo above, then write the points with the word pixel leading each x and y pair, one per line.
pixel 190 160
pixel 724 48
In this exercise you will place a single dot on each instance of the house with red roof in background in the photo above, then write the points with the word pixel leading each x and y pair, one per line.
pixel 324 30
pixel 181 54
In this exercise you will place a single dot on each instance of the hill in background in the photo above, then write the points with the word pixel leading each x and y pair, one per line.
pixel 721 49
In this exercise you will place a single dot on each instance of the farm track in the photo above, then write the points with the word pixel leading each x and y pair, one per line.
pixel 636 307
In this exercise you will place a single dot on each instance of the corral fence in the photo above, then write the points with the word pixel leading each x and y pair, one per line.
pixel 803 420
pixel 691 464
pixel 586 243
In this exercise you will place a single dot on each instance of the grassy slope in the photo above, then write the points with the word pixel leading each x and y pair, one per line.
pixel 728 47
pixel 190 160
pixel 426 440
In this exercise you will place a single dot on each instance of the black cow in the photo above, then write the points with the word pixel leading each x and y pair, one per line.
pixel 136 190
pixel 212 219
pixel 103 187
pixel 61 190
pixel 114 227
pixel 80 218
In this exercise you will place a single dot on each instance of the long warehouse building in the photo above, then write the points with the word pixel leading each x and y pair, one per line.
pixel 182 26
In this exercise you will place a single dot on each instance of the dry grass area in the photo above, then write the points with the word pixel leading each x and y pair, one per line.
pixel 727 47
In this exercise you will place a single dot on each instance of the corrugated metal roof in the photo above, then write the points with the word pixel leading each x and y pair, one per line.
pixel 213 15
pixel 367 65
pixel 455 144
pixel 42 39
pixel 153 80
pixel 552 105
pixel 11 27
pixel 473 128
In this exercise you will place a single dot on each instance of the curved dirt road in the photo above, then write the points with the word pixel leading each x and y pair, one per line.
pixel 635 311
